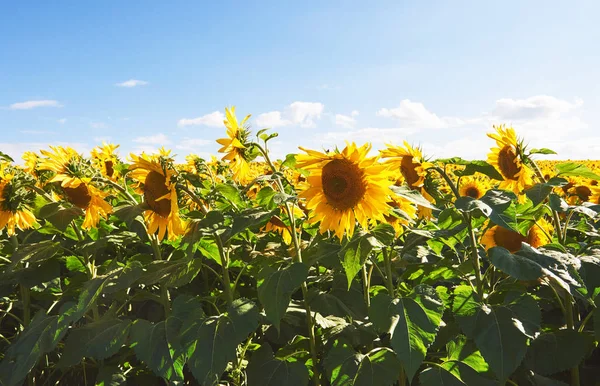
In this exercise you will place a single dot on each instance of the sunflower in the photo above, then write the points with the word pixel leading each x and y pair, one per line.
pixel 506 158
pixel 403 213
pixel 538 235
pixel 236 146
pixel 595 197
pixel 66 163
pixel 14 205
pixel 275 224
pixel 409 161
pixel 154 177
pixel 344 187
pixel 31 162
pixel 472 187
pixel 91 200
pixel 105 159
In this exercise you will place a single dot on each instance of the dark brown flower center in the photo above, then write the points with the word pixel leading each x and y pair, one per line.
pixel 343 184
pixel 583 192
pixel 109 168
pixel 155 187
pixel 507 161
pixel 407 168
pixel 79 196
pixel 508 239
pixel 473 191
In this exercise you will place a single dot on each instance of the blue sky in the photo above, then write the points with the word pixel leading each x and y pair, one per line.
pixel 436 73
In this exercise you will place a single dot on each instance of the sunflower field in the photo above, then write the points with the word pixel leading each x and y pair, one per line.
pixel 352 266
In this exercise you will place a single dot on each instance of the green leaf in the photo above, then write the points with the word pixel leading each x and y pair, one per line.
pixel 110 376
pixel 519 267
pixel 412 322
pixel 345 367
pixel 231 193
pixel 129 213
pixel 6 157
pixel 174 273
pixel 39 337
pixel 98 340
pixel 355 253
pixel 438 376
pixel 275 289
pixel 90 292
pixel 542 150
pixel 59 217
pixel 557 203
pixel 469 204
pixel 554 352
pixel 246 219
pixel 265 370
pixel 465 351
pixel 597 318
pixel 576 170
pixel 480 167
pixel 538 193
pixel 216 339
pixel 125 278
pixel 384 233
pixel 36 252
pixel 151 345
pixel 412 195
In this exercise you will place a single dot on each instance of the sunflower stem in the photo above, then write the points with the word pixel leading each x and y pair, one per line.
pixel 298 258
pixel 365 278
pixel 164 291
pixel 571 325
pixel 225 267
pixel 475 256
pixel 555 216
pixel 564 234
pixel 118 187
pixel 389 280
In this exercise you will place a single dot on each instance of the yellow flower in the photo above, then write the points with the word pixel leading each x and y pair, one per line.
pixel 155 184
pixel 31 161
pixel 235 146
pixel 506 158
pixel 344 187
pixel 276 225
pixel 105 159
pixel 537 236
pixel 472 187
pixel 409 161
pixel 66 163
pixel 404 212
pixel 14 213
pixel 90 199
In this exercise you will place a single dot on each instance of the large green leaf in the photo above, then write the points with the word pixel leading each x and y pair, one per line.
pixel 275 289
pixel 174 273
pixel 519 267
pixel 576 170
pixel 151 345
pixel 482 167
pixel 98 340
pixel 413 196
pixel 438 376
pixel 110 376
pixel 346 367
pixel 216 339
pixel 554 352
pixel 265 370
pixel 463 350
pixel 355 253
pixel 412 322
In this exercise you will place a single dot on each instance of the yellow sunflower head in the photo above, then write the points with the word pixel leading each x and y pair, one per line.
pixel 155 176
pixel 237 146
pixel 31 161
pixel 89 199
pixel 580 193
pixel 538 235
pixel 68 166
pixel 507 159
pixel 106 160
pixel 403 213
pixel 343 188
pixel 409 161
pixel 15 203
pixel 472 187
pixel 275 224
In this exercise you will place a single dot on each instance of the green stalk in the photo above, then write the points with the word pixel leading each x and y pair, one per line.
pixel 225 267
pixel 298 258
pixel 571 325
pixel 366 283
pixel 555 216
pixel 389 281
pixel 25 292
pixel 164 291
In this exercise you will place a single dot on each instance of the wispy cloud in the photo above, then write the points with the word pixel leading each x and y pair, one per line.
pixel 214 119
pixel 303 114
pixel 346 121
pixel 132 83
pixel 157 139
pixel 27 105
pixel 62 121
pixel 98 125
pixel 192 144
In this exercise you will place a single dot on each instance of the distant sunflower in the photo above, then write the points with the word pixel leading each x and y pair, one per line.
pixel 344 187
pixel 409 161
pixel 106 160
pixel 471 187
pixel 595 197
pixel 581 192
pixel 537 236
pixel 506 158
pixel 275 224
pixel 236 146
pixel 91 200
pixel 403 213
pixel 31 162
pixel 14 208
pixel 155 184
pixel 66 163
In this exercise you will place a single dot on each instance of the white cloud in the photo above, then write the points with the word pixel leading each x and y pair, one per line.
pixel 345 121
pixel 415 115
pixel 192 143
pixel 157 139
pixel 354 113
pixel 539 106
pixel 375 135
pixel 214 119
pixel 271 120
pixel 305 113
pixel 33 104
pixel 62 121
pixel 132 83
